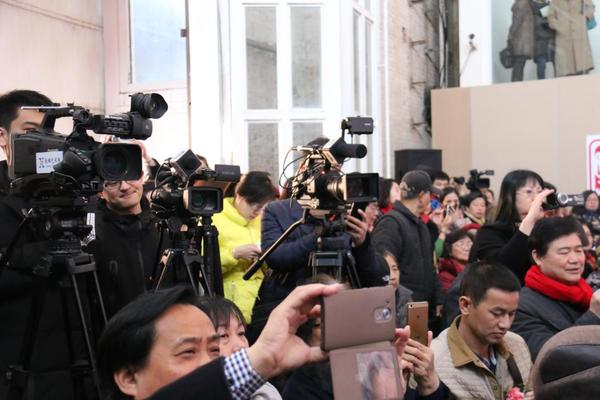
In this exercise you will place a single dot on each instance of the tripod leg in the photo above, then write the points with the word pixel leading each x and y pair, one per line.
pixel 352 273
pixel 188 269
pixel 212 258
pixel 165 262
pixel 86 334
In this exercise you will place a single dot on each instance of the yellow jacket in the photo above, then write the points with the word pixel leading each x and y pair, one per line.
pixel 234 231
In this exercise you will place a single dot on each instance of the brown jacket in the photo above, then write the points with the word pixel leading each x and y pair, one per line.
pixel 520 35
pixel 573 50
pixel 466 375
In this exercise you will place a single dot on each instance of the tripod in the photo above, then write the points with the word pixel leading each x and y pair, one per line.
pixel 66 265
pixel 202 271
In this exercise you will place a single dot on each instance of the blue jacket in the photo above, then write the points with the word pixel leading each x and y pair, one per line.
pixel 289 261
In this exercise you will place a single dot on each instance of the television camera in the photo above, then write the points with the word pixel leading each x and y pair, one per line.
pixel 326 194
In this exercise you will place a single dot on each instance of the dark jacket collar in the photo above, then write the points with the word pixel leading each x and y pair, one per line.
pixel 402 209
pixel 126 220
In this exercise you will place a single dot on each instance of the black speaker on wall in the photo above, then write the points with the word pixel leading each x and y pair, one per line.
pixel 409 159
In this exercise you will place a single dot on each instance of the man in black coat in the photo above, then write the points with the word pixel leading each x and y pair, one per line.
pixel 405 236
pixel 50 363
pixel 288 264
pixel 125 243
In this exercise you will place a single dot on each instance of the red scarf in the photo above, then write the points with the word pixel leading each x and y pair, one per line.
pixel 579 294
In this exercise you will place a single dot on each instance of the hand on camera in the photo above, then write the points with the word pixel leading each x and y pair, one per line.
pixel 357 228
pixel 535 213
pixel 247 252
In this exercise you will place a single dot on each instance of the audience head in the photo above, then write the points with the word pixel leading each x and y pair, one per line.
pixel 450 198
pixel 517 192
pixel 392 264
pixel 389 192
pixel 591 201
pixel 489 296
pixel 568 365
pixel 557 248
pixel 416 188
pixel 228 321
pixel 253 192
pixel 475 204
pixel 15 120
pixel 440 180
pixel 154 340
pixel 457 245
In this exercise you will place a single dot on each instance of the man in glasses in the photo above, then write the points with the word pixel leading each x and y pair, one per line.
pixel 126 243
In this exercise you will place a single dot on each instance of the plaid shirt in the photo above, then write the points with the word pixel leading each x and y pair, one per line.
pixel 243 380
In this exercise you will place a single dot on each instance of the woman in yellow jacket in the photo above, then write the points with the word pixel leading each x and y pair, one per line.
pixel 239 237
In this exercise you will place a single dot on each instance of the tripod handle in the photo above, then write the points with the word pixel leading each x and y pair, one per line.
pixel 259 262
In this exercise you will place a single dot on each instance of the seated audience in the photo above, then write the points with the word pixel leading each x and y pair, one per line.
pixel 389 193
pixel 555 296
pixel 519 208
pixel 403 294
pixel 568 365
pixel 589 212
pixel 239 237
pixel 229 323
pixel 477 357
pixel 456 254
pixel 474 207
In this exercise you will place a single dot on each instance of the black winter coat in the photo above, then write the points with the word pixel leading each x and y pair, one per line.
pixel 504 243
pixel 408 239
pixel 125 248
pixel 540 317
pixel 50 364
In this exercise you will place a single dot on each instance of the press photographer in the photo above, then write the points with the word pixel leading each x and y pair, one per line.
pixel 46 347
pixel 319 200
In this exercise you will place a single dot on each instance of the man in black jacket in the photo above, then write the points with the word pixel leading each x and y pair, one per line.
pixel 126 242
pixel 402 233
pixel 50 364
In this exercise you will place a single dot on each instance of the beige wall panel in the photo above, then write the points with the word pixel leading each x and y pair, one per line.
pixel 579 111
pixel 451 125
pixel 515 126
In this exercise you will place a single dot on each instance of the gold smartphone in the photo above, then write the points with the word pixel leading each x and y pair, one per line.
pixel 418 320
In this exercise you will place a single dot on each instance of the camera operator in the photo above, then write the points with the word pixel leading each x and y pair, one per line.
pixel 50 376
pixel 126 244
pixel 288 263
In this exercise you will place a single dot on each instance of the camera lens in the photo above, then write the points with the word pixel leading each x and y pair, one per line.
pixel 114 163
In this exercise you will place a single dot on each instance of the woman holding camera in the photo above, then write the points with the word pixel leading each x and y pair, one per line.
pixel 519 208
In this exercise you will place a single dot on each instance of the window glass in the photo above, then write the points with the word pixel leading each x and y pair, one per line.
pixel 306 56
pixel 158 52
pixel 263 150
pixel 355 38
pixel 261 58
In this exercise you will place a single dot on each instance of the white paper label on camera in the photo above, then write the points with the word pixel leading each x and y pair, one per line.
pixel 44 162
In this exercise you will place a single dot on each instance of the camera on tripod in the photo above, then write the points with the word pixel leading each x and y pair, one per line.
pixel 176 193
pixel 476 182
pixel 320 184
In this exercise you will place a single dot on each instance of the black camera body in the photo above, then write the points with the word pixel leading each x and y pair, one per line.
pixel 189 189
pixel 476 181
pixel 320 185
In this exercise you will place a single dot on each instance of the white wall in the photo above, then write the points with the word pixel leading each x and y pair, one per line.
pixel 54 47
pixel 475 17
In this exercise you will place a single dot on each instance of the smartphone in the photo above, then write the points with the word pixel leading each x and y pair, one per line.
pixel 372 318
pixel 356 207
pixel 418 320
pixel 448 210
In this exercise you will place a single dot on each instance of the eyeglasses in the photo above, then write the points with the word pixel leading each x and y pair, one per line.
pixel 530 192
pixel 111 185
pixel 465 243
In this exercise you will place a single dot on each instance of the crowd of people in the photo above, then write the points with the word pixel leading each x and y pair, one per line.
pixel 501 278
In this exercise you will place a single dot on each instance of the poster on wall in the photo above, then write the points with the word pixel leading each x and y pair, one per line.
pixel 593 162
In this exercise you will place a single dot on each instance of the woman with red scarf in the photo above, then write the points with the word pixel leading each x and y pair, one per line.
pixel 555 296
pixel 454 257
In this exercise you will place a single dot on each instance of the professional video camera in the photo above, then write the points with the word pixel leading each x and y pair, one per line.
pixel 176 195
pixel 326 194
pixel 320 185
pixel 187 191
pixel 476 182
pixel 57 177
